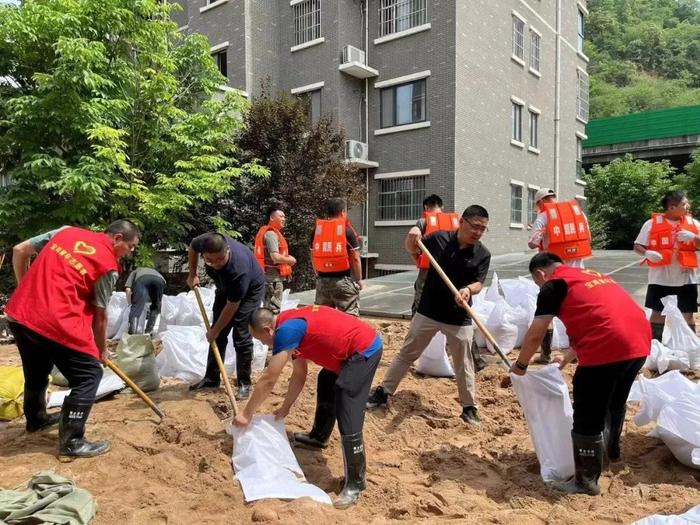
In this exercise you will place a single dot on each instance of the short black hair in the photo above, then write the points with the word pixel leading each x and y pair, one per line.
pixel 272 208
pixel 475 211
pixel 335 207
pixel 125 227
pixel 543 260
pixel 431 201
pixel 213 242
pixel 672 198
pixel 261 318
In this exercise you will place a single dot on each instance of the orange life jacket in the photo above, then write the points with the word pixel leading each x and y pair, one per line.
pixel 436 221
pixel 329 251
pixel 662 236
pixel 285 270
pixel 567 230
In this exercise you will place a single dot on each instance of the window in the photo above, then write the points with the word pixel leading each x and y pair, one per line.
pixel 516 204
pixel 307 21
pixel 579 159
pixel 220 59
pixel 580 30
pixel 403 104
pixel 517 121
pixel 582 95
pixel 535 40
pixel 518 37
pixel 312 105
pixel 399 15
pixel 401 198
pixel 531 206
pixel 534 129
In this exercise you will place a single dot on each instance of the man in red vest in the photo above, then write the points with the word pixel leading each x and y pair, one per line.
pixel 58 317
pixel 348 352
pixel 611 338
pixel 668 242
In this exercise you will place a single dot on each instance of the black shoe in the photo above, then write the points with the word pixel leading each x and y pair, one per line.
pixel 206 383
pixel 35 411
pixel 71 431
pixel 355 465
pixel 324 422
pixel 470 416
pixel 589 452
pixel 243 392
pixel 378 398
pixel 306 439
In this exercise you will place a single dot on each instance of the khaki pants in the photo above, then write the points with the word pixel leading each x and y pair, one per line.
pixel 459 340
pixel 338 292
pixel 273 295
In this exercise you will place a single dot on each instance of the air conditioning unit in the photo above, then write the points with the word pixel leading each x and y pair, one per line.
pixel 353 54
pixel 355 150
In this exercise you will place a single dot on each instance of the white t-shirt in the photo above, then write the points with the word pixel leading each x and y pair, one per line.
pixel 539 227
pixel 672 274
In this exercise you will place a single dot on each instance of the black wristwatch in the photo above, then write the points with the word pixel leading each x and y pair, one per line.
pixel 520 366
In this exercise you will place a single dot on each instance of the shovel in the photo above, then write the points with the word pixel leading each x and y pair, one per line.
pixel 135 388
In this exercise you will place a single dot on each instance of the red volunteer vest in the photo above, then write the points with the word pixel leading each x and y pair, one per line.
pixel 54 298
pixel 567 230
pixel 602 321
pixel 662 237
pixel 436 221
pixel 284 269
pixel 331 335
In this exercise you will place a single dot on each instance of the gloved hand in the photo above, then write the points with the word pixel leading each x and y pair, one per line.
pixel 685 236
pixel 653 256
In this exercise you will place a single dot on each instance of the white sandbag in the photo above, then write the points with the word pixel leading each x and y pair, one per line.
pixel 184 354
pixel 688 518
pixel 560 339
pixel 678 426
pixel 520 291
pixel 544 396
pixel 287 303
pixel 115 313
pixel 110 383
pixel 434 361
pixel 662 359
pixel 265 465
pixel 482 309
pixel 677 334
pixel 654 394
pixel 188 313
pixel 169 307
pixel 503 331
pixel 259 356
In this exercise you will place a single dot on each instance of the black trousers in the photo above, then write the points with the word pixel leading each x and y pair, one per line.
pixel 601 389
pixel 349 390
pixel 145 288
pixel 39 355
pixel 242 339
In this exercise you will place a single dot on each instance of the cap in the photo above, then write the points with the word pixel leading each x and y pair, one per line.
pixel 544 192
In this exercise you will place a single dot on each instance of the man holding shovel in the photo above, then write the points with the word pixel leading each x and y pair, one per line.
pixel 58 317
pixel 240 288
pixel 348 351
pixel 466 261
pixel 610 336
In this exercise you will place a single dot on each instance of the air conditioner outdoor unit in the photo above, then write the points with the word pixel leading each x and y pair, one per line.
pixel 355 150
pixel 353 54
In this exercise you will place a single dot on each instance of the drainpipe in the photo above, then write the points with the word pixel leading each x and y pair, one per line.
pixel 557 99
pixel 366 135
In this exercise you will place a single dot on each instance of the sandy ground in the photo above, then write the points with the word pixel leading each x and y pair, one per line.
pixel 424 463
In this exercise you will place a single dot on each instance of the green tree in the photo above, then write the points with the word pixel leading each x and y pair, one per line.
pixel 690 182
pixel 621 196
pixel 106 110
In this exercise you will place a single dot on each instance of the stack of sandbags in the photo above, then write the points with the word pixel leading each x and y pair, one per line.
pixel 678 336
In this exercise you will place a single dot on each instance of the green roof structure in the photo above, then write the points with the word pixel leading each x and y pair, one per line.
pixel 646 125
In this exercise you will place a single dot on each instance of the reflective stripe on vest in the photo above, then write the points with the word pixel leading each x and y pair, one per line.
pixel 567 230
pixel 437 221
pixel 285 270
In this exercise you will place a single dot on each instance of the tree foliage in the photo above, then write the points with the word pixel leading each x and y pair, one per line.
pixel 690 182
pixel 106 111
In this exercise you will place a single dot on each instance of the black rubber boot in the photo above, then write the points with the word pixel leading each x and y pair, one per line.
pixel 589 452
pixel 657 330
pixel 479 362
pixel 545 356
pixel 35 411
pixel 244 363
pixel 613 428
pixel 324 421
pixel 71 431
pixel 355 465
pixel 206 382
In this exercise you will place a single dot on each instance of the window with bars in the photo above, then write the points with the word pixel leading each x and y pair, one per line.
pixel 579 159
pixel 312 105
pixel 534 129
pixel 399 15
pixel 582 95
pixel 221 63
pixel 401 198
pixel 518 37
pixel 517 122
pixel 403 104
pixel 581 26
pixel 531 206
pixel 307 21
pixel 516 204
pixel 535 41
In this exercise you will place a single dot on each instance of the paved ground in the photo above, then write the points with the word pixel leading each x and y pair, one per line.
pixel 392 295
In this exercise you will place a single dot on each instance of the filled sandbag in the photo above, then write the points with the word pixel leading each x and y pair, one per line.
pixel 687 518
pixel 116 311
pixel 184 354
pixel 678 426
pixel 135 356
pixel 677 334
pixel 109 384
pixel 560 339
pixel 11 392
pixel 662 359
pixel 434 361
pixel 654 394
pixel 499 326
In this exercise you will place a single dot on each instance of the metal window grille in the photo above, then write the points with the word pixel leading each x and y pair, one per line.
pixel 401 199
pixel 535 41
pixel 307 21
pixel 399 15
pixel 534 129
pixel 582 95
pixel 517 124
pixel 581 26
pixel 518 37
pixel 516 204
pixel 531 206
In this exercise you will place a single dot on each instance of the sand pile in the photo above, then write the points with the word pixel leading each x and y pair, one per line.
pixel 423 462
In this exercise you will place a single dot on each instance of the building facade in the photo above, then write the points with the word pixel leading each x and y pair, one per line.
pixel 481 102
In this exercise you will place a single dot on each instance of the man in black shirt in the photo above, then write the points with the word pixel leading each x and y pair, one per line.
pixel 240 288
pixel 466 262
